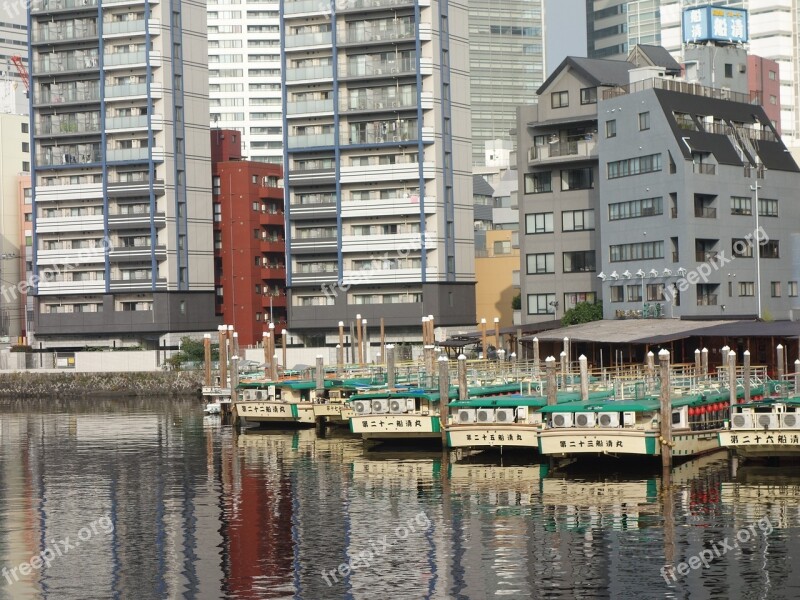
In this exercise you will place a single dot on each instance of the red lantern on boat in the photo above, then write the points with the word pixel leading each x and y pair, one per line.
pixel 691 411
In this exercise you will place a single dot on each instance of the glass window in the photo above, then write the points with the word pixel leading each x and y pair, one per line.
pixel 611 128
pixel 559 99
pixel 634 293
pixel 792 289
pixel 775 289
pixel 644 121
pixel 539 223
pixel 541 304
pixel 579 262
pixel 577 220
pixel 540 264
pixel 747 288
pixel 589 95
pixel 617 293
pixel 538 183
pixel 577 179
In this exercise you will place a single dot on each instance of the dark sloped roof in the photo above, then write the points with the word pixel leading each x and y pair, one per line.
pixel 774 155
pixel 595 71
pixel 656 56
pixel 480 187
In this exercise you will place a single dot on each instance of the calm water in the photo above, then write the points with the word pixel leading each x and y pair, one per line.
pixel 149 499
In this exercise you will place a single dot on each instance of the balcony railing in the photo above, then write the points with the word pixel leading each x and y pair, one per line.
pixel 707 300
pixel 676 86
pixel 68 127
pixel 380 68
pixel 706 255
pixel 748 171
pixel 705 212
pixel 67 157
pixel 53 33
pixel 306 6
pixel 124 58
pixel 39 6
pixel 587 147
pixel 132 89
pixel 362 4
pixel 131 122
pixel 705 168
pixel 44 97
pixel 309 106
pixel 129 154
pixel 135 26
pixel 392 32
pixel 61 64
pixel 320 38
pixel 377 102
pixel 311 140
pixel 303 73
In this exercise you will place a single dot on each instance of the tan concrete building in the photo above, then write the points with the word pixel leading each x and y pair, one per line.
pixel 494 270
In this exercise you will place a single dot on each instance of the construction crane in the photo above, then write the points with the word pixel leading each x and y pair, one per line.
pixel 23 72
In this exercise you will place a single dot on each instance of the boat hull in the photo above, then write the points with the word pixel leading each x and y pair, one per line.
pixel 477 435
pixel 762 443
pixel 335 413
pixel 396 427
pixel 573 441
pixel 300 413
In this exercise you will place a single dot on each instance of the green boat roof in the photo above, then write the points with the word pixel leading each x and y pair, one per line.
pixel 524 400
pixel 433 396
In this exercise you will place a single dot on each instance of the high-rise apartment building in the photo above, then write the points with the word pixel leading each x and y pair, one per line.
pixel 244 62
pixel 122 246
pixel 13 46
pixel 378 158
pixel 506 66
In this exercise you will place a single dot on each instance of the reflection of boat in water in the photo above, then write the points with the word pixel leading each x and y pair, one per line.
pixel 759 490
pixel 213 408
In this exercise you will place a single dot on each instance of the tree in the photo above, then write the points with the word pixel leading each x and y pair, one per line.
pixel 192 351
pixel 583 312
pixel 516 302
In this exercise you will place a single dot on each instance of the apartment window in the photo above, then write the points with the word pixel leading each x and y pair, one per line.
pixel 728 70
pixel 747 288
pixel 539 223
pixel 579 262
pixel 538 183
pixel 26 166
pixel 775 289
pixel 24 128
pixel 632 209
pixel 741 205
pixel 502 247
pixel 182 307
pixel 767 207
pixel 742 248
pixel 571 299
pixel 792 289
pixel 256 234
pixel 540 264
pixel 655 292
pixel 771 75
pixel 26 147
pixel 589 95
pixel 577 179
pixel 217 240
pixel 577 220
pixel 634 166
pixel 771 249
pixel 611 128
pixel 541 304
pixel 559 99
pixel 215 183
pixel 634 293
pixel 773 99
pixel 617 293
pixel 644 121
pixel 636 251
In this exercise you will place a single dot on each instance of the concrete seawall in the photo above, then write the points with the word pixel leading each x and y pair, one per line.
pixel 64 385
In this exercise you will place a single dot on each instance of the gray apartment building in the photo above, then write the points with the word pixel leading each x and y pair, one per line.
pixel 646 198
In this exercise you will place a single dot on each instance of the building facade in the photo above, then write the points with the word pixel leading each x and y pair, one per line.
pixel 249 245
pixel 13 46
pixel 244 62
pixel 122 245
pixel 506 66
pixel 378 158
pixel 655 213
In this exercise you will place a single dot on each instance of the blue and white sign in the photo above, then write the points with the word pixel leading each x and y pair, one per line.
pixel 716 24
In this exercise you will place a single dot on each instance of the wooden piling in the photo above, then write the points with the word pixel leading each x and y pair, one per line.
pixel 536 356
pixel 732 376
pixel 359 341
pixel 234 378
pixel 650 370
pixel 746 377
pixel 383 340
pixel 463 392
pixel 265 346
pixel 390 366
pixel 483 340
pixel 781 363
pixel 207 359
pixel 284 335
pixel 566 353
pixel 319 377
pixel 704 363
pixel 666 410
pixel 223 355
pixel 340 350
pixel 272 340
pixel 584 366
pixel 444 397
pixel 697 365
pixel 552 390
pixel 563 359
pixel 498 344
pixel 236 343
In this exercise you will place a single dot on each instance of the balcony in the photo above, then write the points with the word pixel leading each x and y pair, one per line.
pixel 577 149
pixel 122 59
pixel 319 38
pixel 130 27
pixel 360 5
pixel 309 107
pixel 273 273
pixel 63 33
pixel 64 64
pixel 132 122
pixel 299 7
pixel 271 219
pixel 705 168
pixel 46 6
pixel 133 154
pixel 68 127
pixel 67 157
pixel 707 300
pixel 380 68
pixel 122 91
pixel 378 102
pixel 42 96
pixel 386 33
pixel 702 256
pixel 705 212
pixel 308 73
pixel 310 140
pixel 272 246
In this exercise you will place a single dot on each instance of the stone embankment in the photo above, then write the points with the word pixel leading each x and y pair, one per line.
pixel 65 385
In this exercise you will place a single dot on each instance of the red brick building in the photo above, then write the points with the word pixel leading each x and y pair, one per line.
pixel 764 81
pixel 249 246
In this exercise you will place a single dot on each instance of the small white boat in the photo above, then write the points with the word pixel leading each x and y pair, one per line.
pixel 213 408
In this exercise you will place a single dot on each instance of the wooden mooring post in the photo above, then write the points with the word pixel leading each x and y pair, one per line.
pixel 666 410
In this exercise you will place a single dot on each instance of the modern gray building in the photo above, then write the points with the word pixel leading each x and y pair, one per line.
pixel 506 66
pixel 614 27
pixel 662 221
pixel 377 165
pixel 121 171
